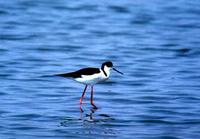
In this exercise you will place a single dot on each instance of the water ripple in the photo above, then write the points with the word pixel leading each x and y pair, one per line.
pixel 155 44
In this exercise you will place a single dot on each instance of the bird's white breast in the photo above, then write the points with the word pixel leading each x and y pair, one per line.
pixel 92 79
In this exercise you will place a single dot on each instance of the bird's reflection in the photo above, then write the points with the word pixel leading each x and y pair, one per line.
pixel 90 114
pixel 81 110
pixel 92 110
pixel 91 122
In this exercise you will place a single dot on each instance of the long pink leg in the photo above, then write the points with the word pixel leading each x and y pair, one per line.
pixel 81 98
pixel 91 98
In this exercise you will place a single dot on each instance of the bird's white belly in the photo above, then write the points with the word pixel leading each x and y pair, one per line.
pixel 91 79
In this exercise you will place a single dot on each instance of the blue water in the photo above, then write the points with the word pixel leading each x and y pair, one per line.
pixel 155 43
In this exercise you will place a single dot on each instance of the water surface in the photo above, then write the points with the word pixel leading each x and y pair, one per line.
pixel 154 43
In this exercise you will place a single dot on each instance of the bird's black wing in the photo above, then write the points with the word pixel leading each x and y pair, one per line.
pixel 77 74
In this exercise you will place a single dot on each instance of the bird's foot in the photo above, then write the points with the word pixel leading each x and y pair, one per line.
pixel 95 107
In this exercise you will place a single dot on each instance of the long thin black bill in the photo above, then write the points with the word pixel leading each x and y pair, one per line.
pixel 117 71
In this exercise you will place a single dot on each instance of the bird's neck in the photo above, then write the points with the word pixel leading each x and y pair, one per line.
pixel 106 71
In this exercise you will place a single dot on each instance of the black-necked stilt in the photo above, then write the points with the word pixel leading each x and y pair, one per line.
pixel 91 76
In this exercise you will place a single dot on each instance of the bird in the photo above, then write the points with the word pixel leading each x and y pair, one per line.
pixel 91 76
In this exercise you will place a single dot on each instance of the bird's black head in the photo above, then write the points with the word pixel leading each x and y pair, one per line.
pixel 109 66
pixel 107 63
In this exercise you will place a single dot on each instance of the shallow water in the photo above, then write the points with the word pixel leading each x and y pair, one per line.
pixel 154 43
